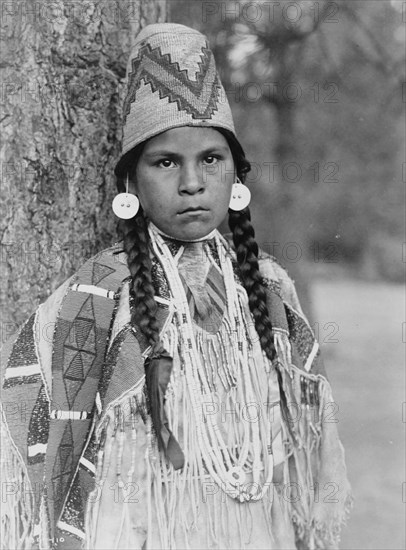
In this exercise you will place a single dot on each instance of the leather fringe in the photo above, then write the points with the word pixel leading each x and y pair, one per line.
pixel 17 499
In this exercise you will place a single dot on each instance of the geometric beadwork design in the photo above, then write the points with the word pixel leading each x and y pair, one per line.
pixel 73 516
pixel 214 287
pixel 216 291
pixel 90 454
pixel 38 429
pixel 198 98
pixel 215 294
pixel 63 464
pixel 22 366
pixel 111 362
pixel 272 285
pixel 161 287
pixel 300 333
pixel 80 349
pixel 100 272
pixel 213 251
pixel 174 246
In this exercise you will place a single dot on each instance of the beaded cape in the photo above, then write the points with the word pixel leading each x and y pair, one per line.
pixel 73 358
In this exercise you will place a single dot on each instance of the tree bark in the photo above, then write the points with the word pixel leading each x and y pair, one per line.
pixel 288 223
pixel 63 71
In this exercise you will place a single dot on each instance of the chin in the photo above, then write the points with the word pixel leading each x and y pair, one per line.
pixel 191 233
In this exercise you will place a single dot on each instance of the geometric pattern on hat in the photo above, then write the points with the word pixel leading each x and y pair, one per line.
pixel 197 97
pixel 171 81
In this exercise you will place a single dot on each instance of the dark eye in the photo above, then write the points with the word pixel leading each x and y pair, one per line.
pixel 165 163
pixel 211 159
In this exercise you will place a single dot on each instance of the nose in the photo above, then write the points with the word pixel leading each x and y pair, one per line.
pixel 191 180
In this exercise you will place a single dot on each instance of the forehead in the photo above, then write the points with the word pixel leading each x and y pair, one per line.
pixel 186 138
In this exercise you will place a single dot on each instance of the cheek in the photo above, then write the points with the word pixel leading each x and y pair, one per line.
pixel 148 195
pixel 224 188
pixel 154 204
pixel 224 181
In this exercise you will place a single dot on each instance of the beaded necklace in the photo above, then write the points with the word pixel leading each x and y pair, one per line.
pixel 227 468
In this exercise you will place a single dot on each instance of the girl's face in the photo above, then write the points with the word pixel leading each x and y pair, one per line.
pixel 183 180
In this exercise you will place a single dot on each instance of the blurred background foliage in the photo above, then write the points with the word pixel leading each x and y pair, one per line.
pixel 316 92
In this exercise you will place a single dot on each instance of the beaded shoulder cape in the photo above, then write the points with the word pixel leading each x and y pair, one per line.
pixel 73 358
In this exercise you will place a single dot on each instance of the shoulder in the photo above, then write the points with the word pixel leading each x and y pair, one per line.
pixel 110 258
pixel 305 348
pixel 105 270
pixel 99 278
pixel 275 275
pixel 48 309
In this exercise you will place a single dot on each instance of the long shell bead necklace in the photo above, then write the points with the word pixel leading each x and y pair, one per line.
pixel 226 467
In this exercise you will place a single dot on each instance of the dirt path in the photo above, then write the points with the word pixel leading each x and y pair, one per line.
pixel 366 369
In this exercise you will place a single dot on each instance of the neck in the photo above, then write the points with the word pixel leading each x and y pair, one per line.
pixel 201 239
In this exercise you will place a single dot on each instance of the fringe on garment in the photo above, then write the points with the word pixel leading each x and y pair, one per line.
pixel 17 507
pixel 174 497
pixel 307 396
pixel 318 535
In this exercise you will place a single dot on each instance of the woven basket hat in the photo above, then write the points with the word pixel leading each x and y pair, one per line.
pixel 172 81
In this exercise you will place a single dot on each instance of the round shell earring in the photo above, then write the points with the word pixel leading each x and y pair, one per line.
pixel 240 196
pixel 125 205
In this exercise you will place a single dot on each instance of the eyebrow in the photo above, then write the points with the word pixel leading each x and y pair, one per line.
pixel 167 153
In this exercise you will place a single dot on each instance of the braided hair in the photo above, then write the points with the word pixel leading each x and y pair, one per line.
pixel 247 255
pixel 136 244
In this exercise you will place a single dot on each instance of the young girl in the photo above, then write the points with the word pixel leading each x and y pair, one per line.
pixel 182 401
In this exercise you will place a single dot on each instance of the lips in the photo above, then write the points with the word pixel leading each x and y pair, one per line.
pixel 193 209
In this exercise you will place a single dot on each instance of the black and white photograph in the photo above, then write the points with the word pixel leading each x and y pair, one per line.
pixel 203 257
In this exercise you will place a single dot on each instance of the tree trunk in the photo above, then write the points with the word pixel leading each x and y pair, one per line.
pixel 289 225
pixel 63 73
pixel 288 221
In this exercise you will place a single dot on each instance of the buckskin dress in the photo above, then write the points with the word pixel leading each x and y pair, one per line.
pixel 86 449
